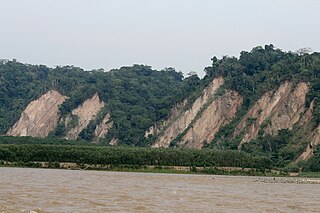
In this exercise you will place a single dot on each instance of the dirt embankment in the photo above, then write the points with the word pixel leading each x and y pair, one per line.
pixel 103 127
pixel 274 111
pixel 219 113
pixel 180 122
pixel 40 117
pixel 84 114
pixel 315 140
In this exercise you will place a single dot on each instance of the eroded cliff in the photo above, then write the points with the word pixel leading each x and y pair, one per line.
pixel 274 111
pixel 314 141
pixel 40 117
pixel 180 121
pixel 219 113
pixel 103 127
pixel 83 114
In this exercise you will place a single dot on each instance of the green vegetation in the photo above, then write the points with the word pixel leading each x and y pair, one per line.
pixel 108 155
pixel 136 96
pixel 259 71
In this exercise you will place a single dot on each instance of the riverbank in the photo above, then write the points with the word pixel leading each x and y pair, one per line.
pixel 267 176
pixel 148 168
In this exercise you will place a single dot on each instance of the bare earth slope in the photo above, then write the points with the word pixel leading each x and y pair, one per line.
pixel 177 124
pixel 103 127
pixel 85 113
pixel 315 140
pixel 40 117
pixel 275 111
pixel 219 113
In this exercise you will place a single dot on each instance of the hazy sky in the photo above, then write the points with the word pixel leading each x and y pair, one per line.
pixel 183 34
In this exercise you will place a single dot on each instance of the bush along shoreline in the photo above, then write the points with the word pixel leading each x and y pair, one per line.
pixel 147 168
pixel 54 153
pixel 206 161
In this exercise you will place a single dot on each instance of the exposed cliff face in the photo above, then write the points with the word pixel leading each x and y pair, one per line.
pixel 84 114
pixel 180 121
pixel 219 113
pixel 314 141
pixel 40 117
pixel 307 117
pixel 103 127
pixel 274 111
pixel 175 112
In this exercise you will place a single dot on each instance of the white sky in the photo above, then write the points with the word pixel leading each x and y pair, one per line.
pixel 183 34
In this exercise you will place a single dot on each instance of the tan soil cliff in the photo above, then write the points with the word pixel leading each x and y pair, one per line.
pixel 219 113
pixel 85 113
pixel 303 123
pixel 177 124
pixel 315 140
pixel 289 112
pixel 176 111
pixel 280 110
pixel 40 117
pixel 102 129
pixel 307 117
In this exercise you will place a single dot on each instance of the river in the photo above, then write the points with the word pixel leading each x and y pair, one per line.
pixel 50 190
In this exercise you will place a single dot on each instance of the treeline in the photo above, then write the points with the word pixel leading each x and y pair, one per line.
pixel 108 155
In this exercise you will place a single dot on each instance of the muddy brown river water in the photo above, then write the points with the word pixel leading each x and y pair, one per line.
pixel 49 190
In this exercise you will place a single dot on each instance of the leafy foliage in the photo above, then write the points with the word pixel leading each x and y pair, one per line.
pixel 15 149
pixel 257 72
pixel 136 96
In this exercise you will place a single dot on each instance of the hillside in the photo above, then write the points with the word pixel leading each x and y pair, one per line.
pixel 266 102
pixel 74 101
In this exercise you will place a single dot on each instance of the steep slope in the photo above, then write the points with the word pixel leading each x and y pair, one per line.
pixel 219 113
pixel 40 117
pixel 175 112
pixel 83 114
pixel 314 141
pixel 274 111
pixel 103 127
pixel 180 121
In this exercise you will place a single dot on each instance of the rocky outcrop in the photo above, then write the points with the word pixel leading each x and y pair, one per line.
pixel 40 117
pixel 103 127
pixel 274 111
pixel 219 113
pixel 84 114
pixel 176 124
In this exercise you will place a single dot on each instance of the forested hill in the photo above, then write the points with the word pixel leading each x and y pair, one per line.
pixel 136 96
pixel 265 101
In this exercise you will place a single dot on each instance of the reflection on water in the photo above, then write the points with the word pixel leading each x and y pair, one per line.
pixel 48 190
